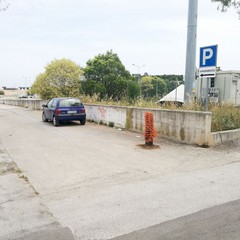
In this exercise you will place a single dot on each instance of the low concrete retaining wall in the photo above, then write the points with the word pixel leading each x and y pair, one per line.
pixel 184 126
pixel 189 127
pixel 224 136
pixel 106 114
pixel 27 103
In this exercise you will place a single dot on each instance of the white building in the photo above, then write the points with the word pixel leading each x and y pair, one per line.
pixel 224 88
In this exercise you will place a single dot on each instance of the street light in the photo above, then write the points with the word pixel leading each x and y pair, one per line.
pixel 139 67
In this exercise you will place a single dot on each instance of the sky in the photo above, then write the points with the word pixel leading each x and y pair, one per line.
pixel 151 34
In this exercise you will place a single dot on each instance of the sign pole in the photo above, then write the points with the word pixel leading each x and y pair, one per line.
pixel 206 101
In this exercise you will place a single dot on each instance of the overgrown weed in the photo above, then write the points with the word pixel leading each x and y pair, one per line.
pixel 224 116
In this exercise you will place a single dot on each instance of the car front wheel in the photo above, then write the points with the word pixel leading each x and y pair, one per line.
pixel 44 117
pixel 55 122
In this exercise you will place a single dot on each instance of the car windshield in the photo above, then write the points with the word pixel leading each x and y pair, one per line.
pixel 70 103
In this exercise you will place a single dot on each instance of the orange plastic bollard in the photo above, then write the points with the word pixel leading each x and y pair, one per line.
pixel 150 132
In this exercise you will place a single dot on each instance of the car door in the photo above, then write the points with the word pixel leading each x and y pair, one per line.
pixel 46 109
pixel 49 111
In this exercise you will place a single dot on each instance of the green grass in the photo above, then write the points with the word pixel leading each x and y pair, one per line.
pixel 225 117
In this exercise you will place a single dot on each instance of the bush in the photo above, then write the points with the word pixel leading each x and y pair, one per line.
pixel 225 117
pixel 111 124
pixel 1 92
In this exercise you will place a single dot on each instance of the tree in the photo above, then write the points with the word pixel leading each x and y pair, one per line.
pixel 133 90
pixel 172 81
pixel 146 86
pixel 4 5
pixel 153 87
pixel 61 78
pixel 106 76
pixel 225 4
pixel 160 87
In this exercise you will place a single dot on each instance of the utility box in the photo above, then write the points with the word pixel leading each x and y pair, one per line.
pixel 224 88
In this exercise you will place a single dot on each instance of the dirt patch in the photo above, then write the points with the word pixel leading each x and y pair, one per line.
pixel 6 163
pixel 147 147
pixel 6 167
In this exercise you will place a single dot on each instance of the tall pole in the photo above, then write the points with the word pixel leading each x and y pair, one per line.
pixel 139 77
pixel 190 67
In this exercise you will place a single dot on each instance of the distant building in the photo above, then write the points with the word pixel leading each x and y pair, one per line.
pixel 12 89
pixel 15 92
pixel 24 88
pixel 224 88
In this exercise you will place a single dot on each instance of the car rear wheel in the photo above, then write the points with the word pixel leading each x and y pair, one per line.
pixel 55 122
pixel 44 117
pixel 82 122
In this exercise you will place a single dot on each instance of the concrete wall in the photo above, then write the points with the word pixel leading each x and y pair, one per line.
pixel 224 136
pixel 106 114
pixel 189 127
pixel 27 103
pixel 184 126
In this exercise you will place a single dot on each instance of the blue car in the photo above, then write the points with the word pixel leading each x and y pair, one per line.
pixel 60 110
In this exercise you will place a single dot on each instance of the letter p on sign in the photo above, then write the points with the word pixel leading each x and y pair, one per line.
pixel 208 56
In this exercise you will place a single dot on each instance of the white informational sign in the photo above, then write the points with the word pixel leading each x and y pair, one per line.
pixel 209 72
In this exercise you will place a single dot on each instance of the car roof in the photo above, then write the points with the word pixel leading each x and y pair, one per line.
pixel 63 98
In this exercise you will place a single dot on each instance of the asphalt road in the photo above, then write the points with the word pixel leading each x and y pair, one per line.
pixel 217 223
pixel 100 184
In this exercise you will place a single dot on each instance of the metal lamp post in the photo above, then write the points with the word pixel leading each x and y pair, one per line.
pixel 191 49
pixel 138 67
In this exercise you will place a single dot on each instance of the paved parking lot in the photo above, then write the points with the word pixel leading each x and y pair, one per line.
pixel 97 182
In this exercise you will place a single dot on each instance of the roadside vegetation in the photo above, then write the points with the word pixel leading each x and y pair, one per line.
pixel 224 116
pixel 103 76
pixel 105 80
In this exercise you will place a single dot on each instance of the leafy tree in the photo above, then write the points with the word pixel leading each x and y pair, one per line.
pixel 133 90
pixel 153 87
pixel 106 76
pixel 42 87
pixel 61 78
pixel 225 4
pixel 172 81
pixel 160 87
pixel 146 86
pixel 91 87
pixel 4 5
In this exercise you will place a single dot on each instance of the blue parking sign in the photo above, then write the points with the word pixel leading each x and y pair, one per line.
pixel 208 56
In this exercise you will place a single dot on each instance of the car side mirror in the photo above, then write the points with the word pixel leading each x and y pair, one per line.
pixel 44 105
